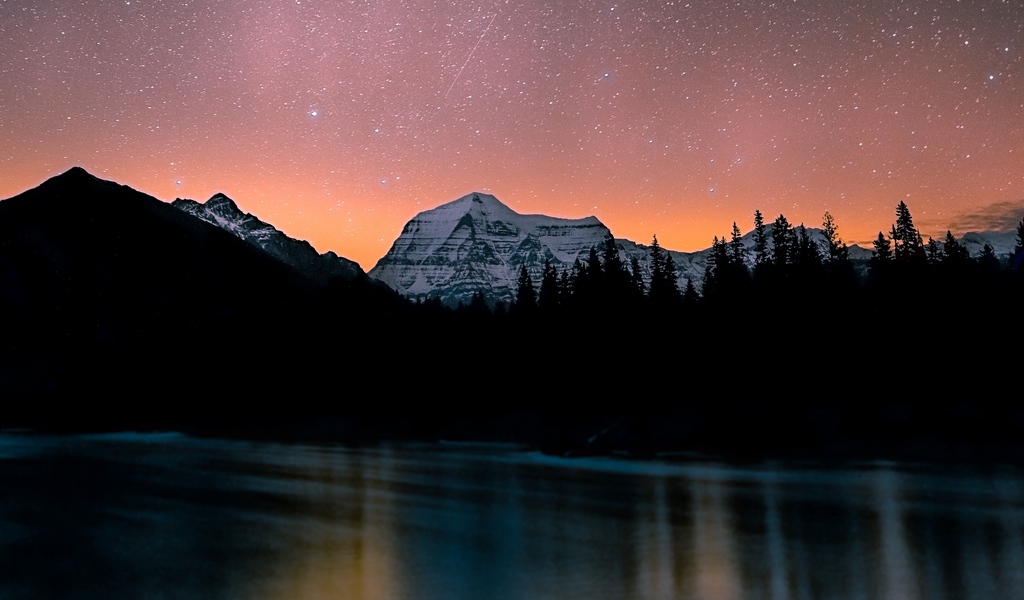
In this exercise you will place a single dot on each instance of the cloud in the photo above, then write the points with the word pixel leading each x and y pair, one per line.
pixel 1001 216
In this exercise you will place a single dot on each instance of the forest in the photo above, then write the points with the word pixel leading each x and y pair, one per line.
pixel 785 271
pixel 125 312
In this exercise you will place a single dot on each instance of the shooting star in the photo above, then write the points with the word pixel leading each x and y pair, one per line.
pixel 486 29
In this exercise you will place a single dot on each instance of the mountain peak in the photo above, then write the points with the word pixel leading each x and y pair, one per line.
pixel 77 176
pixel 476 243
pixel 477 203
pixel 77 171
pixel 221 204
pixel 222 212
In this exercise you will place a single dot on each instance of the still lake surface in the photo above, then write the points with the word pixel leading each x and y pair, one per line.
pixel 158 516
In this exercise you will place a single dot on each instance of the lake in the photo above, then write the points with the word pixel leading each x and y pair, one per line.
pixel 160 516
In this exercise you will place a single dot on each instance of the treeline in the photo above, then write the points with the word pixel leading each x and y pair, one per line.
pixel 788 306
pixel 787 346
pixel 785 273
pixel 780 346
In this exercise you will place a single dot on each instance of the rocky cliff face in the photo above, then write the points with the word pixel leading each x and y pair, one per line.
pixel 476 243
pixel 224 213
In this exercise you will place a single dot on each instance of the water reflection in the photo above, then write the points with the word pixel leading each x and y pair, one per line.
pixel 133 516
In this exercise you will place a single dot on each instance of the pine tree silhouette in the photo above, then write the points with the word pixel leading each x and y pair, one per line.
pixel 526 300
pixel 906 241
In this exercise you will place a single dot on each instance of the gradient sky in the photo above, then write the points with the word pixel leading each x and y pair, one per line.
pixel 337 121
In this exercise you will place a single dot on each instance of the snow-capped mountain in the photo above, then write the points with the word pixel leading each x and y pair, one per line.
pixel 1002 242
pixel 476 243
pixel 224 213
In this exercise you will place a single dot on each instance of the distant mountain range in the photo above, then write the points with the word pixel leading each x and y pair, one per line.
pixel 120 308
pixel 472 244
pixel 477 244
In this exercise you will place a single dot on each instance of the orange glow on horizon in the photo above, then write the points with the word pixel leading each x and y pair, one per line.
pixel 338 123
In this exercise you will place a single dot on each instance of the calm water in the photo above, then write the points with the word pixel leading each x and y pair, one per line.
pixel 165 516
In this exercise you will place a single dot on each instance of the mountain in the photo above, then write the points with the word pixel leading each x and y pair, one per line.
pixel 224 213
pixel 476 243
pixel 107 292
pixel 1002 242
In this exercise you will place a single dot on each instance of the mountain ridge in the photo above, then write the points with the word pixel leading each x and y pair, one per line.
pixel 476 243
pixel 223 212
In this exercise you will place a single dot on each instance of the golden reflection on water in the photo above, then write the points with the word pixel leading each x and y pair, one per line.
pixel 658 569
pixel 898 580
pixel 714 540
pixel 250 521
pixel 684 536
pixel 775 541
pixel 345 549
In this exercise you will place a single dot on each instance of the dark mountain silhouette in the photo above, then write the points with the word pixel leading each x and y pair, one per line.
pixel 110 292
pixel 124 311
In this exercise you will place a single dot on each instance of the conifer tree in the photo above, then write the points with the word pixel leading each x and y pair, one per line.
pixel 637 275
pixel 933 251
pixel 715 267
pixel 882 252
pixel 954 254
pixel 577 282
pixel 1020 240
pixel 906 241
pixel 589 280
pixel 526 299
pixel 783 242
pixel 690 295
pixel 478 304
pixel 664 285
pixel 808 255
pixel 657 260
pixel 807 264
pixel 612 261
pixel 733 273
pixel 670 280
pixel 988 261
pixel 564 288
pixel 737 253
pixel 548 297
pixel 617 283
pixel 835 249
pixel 836 259
pixel 881 258
pixel 761 257
pixel 594 270
pixel 710 269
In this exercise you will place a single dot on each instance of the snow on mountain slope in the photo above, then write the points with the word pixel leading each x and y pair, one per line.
pixel 1002 242
pixel 221 211
pixel 476 243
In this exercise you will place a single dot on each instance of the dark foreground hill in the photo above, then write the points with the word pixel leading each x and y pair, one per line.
pixel 108 293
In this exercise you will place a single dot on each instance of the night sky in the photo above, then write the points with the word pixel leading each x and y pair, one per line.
pixel 337 121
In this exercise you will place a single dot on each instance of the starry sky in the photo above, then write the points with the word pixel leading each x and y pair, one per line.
pixel 337 121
